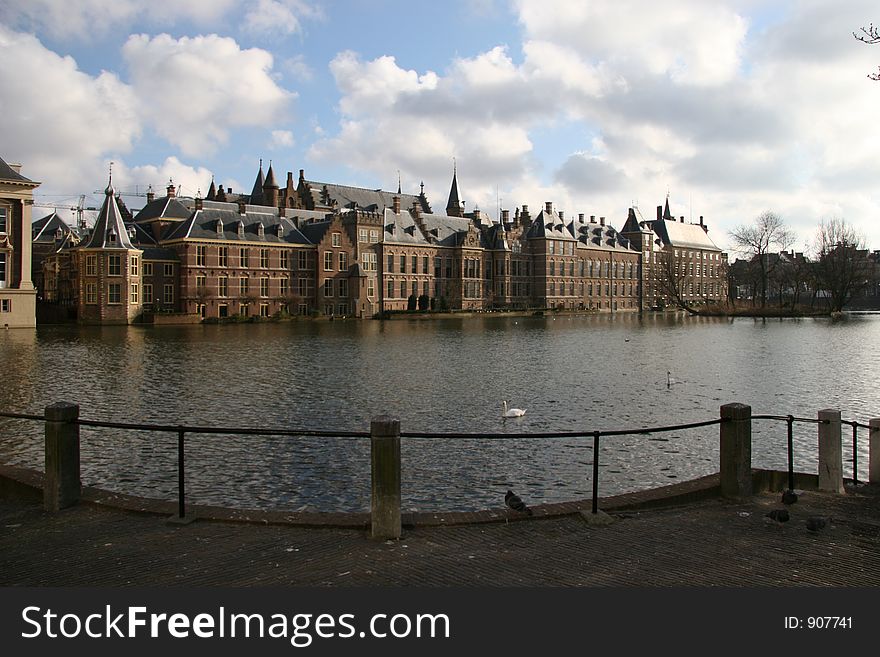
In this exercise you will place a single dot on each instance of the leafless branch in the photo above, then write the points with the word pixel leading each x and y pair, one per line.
pixel 870 35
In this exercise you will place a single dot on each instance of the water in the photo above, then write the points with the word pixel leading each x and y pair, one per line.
pixel 570 373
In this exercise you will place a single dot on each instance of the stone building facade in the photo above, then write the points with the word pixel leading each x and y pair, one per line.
pixel 319 248
pixel 17 291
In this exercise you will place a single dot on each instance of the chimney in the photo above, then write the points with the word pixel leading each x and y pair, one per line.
pixel 581 217
pixel 562 215
pixel 681 219
pixel 242 209
pixel 592 218
pixel 282 211
pixel 548 207
pixel 477 215
pixel 396 203
pixel 198 203
pixel 416 209
pixel 659 212
pixel 151 195
pixel 14 166
pixel 505 216
pixel 302 174
pixel 290 179
pixel 170 192
pixel 601 221
pixel 703 226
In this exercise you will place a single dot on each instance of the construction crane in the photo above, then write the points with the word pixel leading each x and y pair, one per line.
pixel 78 208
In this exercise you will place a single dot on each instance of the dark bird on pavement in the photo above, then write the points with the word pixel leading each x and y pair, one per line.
pixel 779 515
pixel 514 502
pixel 815 523
pixel 789 497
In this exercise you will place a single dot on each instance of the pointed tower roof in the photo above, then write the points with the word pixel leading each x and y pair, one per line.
pixel 212 191
pixel 453 205
pixel 666 213
pixel 270 178
pixel 110 231
pixel 257 191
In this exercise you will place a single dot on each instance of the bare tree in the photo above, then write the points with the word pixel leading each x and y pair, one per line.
pixel 673 279
pixel 869 35
pixel 842 267
pixel 757 241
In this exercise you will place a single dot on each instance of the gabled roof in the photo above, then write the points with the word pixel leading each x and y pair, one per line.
pixel 165 208
pixel 677 234
pixel 549 225
pixel 203 224
pixel 43 230
pixel 343 196
pixel 10 175
pixel 110 231
pixel 596 236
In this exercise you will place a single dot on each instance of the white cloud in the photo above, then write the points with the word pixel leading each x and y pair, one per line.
pixel 83 19
pixel 282 139
pixel 188 179
pixel 195 90
pixel 57 120
pixel 278 17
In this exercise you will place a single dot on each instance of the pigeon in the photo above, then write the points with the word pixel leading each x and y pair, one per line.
pixel 815 523
pixel 779 515
pixel 789 497
pixel 514 502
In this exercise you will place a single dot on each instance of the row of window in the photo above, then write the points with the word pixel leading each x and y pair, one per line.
pixel 244 259
pixel 586 289
pixel 4 221
pixel 114 294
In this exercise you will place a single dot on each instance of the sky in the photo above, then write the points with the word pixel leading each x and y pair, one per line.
pixel 731 108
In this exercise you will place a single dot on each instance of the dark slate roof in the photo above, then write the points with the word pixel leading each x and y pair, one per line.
pixel 257 191
pixel 165 208
pixel 8 174
pixel 314 231
pixel 110 231
pixel 202 224
pixel 43 230
pixel 270 178
pixel 454 201
pixel 402 229
pixel 549 225
pixel 325 194
pixel 596 236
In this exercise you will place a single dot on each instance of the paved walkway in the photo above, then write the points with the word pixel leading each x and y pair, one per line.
pixel 706 543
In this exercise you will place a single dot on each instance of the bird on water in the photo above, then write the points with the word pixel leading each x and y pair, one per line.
pixel 511 412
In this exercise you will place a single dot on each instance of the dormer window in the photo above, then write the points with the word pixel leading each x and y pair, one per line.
pixel 241 229
pixel 261 230
pixel 131 232
pixel 111 236
pixel 59 234
pixel 219 227
pixel 279 231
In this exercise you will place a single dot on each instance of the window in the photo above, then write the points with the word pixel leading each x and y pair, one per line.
pixel 168 294
pixel 148 293
pixel 415 265
pixel 5 305
pixel 285 260
pixel 343 288
pixel 264 310
pixel 264 287
pixel 402 263
pixel 114 265
pixel 91 265
pixel 335 239
pixel 390 289
pixel 201 257
pixel 243 286
pixel 133 295
pixel 264 258
pixel 223 256
pixel 424 264
pixel 223 286
pixel 285 287
pixel 148 269
pixel 91 293
pixel 402 289
pixel 371 287
pixel 222 311
pixel 389 262
pixel 328 287
pixel 168 270
pixel 114 293
pixel 133 267
pixel 201 282
pixel 303 308
pixel 4 220
pixel 243 259
pixel 362 235
pixel 303 260
pixel 374 235
pixel 302 287
pixel 342 309
pixel 551 247
pixel 328 261
pixel 343 261
pixel 369 260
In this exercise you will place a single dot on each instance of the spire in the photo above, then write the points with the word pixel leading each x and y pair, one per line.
pixel 666 213
pixel 212 191
pixel 453 205
pixel 257 191
pixel 398 182
pixel 270 178
pixel 110 231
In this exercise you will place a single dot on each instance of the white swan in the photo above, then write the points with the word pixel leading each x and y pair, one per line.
pixel 512 412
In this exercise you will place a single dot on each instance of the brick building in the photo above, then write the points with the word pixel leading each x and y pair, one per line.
pixel 17 292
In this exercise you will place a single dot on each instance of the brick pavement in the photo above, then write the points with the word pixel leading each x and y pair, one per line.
pixel 711 542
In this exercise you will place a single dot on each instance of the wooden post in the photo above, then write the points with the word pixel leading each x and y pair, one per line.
pixel 736 450
pixel 830 451
pixel 385 466
pixel 62 486
pixel 874 453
